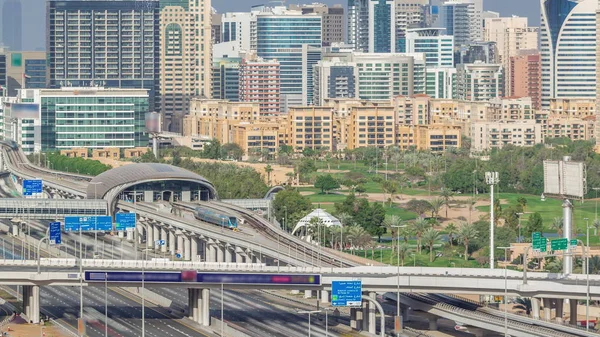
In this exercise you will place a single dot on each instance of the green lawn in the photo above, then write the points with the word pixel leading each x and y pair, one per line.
pixel 318 197
pixel 419 260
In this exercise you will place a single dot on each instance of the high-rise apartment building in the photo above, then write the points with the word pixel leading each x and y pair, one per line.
pixel 185 57
pixel 114 44
pixel 259 81
pixel 525 75
pixel 226 79
pixel 215 28
pixel 484 51
pixel 332 20
pixel 568 49
pixel 462 19
pixel 438 47
pixel 278 38
pixel 358 24
pixel 511 35
pixel 334 78
pixel 479 81
pixel 24 70
pixel 441 82
pixel 12 27
pixel 239 27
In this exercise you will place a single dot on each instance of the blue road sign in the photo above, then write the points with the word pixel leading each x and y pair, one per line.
pixel 31 187
pixel 124 221
pixel 160 242
pixel 88 223
pixel 346 293
pixel 55 233
pixel 178 256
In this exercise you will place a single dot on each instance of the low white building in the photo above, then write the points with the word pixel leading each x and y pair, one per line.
pixel 325 218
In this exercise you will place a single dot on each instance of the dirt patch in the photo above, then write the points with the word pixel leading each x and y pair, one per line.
pixel 332 171
pixel 278 175
pixel 28 330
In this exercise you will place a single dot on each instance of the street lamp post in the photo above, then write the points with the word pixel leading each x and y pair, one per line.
pixel 492 179
pixel 95 183
pixel 587 274
pixel 505 291
pixel 398 323
pixel 519 215
pixel 309 312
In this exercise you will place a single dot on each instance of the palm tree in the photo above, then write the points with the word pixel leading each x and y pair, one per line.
pixel 436 205
pixel 405 233
pixel 557 224
pixel 345 219
pixel 268 170
pixel 419 227
pixel 471 202
pixel 360 237
pixel 403 248
pixel 430 237
pixel 466 233
pixel 596 224
pixel 523 303
pixel 390 187
pixel 451 229
pixel 392 224
pixel 447 195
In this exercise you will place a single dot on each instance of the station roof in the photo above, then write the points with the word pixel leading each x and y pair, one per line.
pixel 132 174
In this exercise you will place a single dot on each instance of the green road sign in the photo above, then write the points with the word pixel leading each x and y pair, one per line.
pixel 574 243
pixel 537 241
pixel 559 244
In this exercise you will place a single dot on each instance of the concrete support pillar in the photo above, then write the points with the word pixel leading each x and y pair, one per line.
pixel 547 309
pixel 163 236
pixel 15 230
pixel 27 301
pixel 256 259
pixel 121 235
pixel 213 252
pixel 229 254
pixel 205 307
pixel 239 258
pixel 372 317
pixel 433 323
pixel 354 323
pixel 194 248
pixel 573 311
pixel 130 235
pixel 31 303
pixel 405 313
pixel 324 296
pixel 156 237
pixel 149 236
pixel 186 248
pixel 180 245
pixel 535 308
pixel 559 310
pixel 192 307
pixel 140 232
pixel 307 293
pixel 220 253
pixel 172 242
pixel 365 315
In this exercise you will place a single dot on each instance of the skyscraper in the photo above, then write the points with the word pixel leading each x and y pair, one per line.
pixel 185 57
pixel 463 19
pixel 114 44
pixel 358 24
pixel 11 24
pixel 278 38
pixel 568 55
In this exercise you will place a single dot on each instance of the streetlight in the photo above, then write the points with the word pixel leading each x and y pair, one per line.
pixel 505 291
pixel 519 215
pixel 309 312
pixel 398 323
pixel 587 274
pixel 492 179
pixel 95 183
pixel 596 212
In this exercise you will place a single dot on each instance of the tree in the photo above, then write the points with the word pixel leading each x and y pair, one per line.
pixel 326 183
pixel 451 229
pixel 596 225
pixel 290 201
pixel 232 151
pixel 359 237
pixel 419 227
pixel 403 248
pixel 268 170
pixel 557 225
pixel 286 149
pixel 306 167
pixel 436 205
pixel 346 220
pixel 212 150
pixel 447 195
pixel 390 187
pixel 523 202
pixel 523 304
pixel 466 233
pixel 392 225
pixel 534 224
pixel 430 237
pixel 418 206
pixel 594 265
pixel 314 227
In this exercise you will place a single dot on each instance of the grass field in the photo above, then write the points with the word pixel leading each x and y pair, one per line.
pixel 417 259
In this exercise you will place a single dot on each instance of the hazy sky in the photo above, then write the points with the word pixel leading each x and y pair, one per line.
pixel 34 20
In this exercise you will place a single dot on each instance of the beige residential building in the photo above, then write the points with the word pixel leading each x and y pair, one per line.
pixel 524 76
pixel 572 128
pixel 490 135
pixel 412 110
pixel 435 137
pixel 509 108
pixel 572 108
pixel 310 127
pixel 185 58
pixel 448 110
pixel 371 126
pixel 256 139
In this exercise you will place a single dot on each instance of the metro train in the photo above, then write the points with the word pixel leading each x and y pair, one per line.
pixel 214 217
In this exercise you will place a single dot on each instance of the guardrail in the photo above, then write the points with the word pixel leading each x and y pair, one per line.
pixel 134 264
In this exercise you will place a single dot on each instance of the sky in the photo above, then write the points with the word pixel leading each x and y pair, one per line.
pixel 34 20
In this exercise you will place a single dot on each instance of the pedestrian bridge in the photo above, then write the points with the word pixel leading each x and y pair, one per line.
pixel 50 208
pixel 378 279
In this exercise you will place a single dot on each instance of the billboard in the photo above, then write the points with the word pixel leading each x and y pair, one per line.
pixel 153 122
pixel 25 110
pixel 192 276
pixel 551 177
pixel 574 180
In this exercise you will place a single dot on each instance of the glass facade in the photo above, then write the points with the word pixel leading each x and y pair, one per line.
pixel 93 121
pixel 36 74
pixel 226 79
pixel 382 31
pixel 281 37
